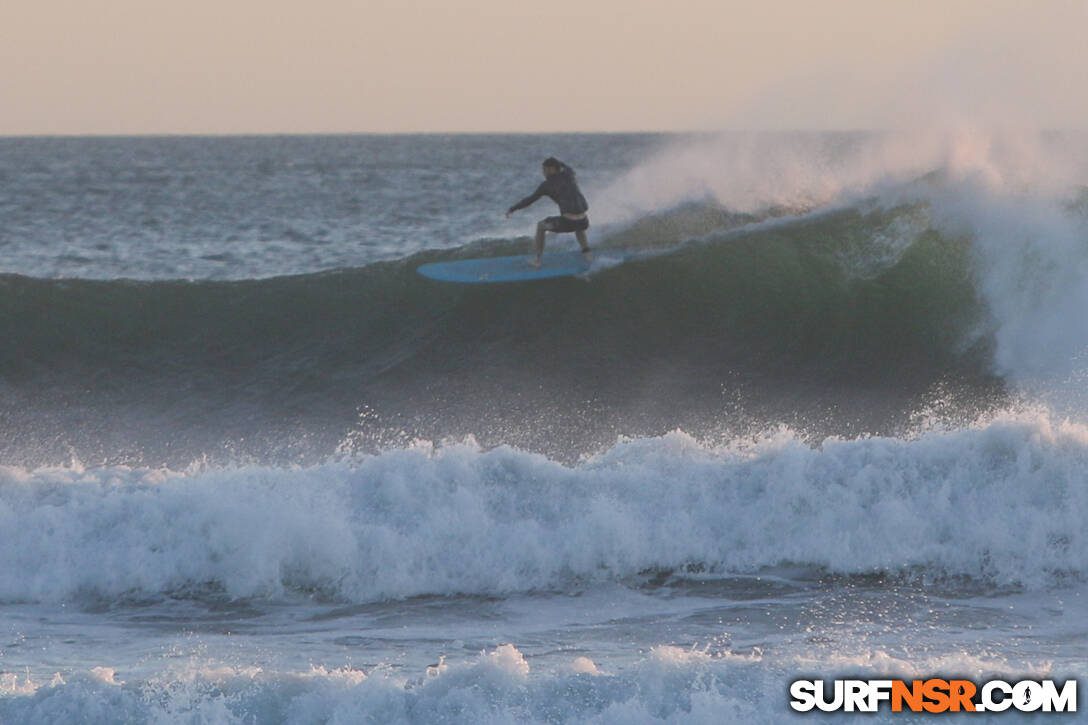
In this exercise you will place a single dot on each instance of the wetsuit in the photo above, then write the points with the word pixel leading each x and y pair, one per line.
pixel 561 188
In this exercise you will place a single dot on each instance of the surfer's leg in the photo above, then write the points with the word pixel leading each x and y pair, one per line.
pixel 580 235
pixel 541 230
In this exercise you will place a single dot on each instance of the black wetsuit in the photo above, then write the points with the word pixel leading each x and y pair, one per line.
pixel 560 188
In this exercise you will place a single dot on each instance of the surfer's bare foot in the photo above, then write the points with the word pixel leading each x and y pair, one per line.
pixel 588 255
pixel 533 262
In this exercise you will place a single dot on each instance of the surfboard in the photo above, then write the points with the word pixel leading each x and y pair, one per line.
pixel 507 269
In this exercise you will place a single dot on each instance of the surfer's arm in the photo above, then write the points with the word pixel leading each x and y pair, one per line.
pixel 527 200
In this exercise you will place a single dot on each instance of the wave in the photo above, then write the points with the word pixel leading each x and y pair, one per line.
pixel 1002 503
pixel 841 306
pixel 793 314
pixel 837 287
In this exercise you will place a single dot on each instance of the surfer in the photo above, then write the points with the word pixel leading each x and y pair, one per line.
pixel 560 186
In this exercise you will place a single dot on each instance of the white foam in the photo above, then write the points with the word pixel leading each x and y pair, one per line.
pixel 669 684
pixel 1002 501
pixel 1030 260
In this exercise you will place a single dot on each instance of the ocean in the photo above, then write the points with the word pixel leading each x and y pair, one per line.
pixel 826 420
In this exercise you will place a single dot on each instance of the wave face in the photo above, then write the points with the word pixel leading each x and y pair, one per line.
pixel 1002 503
pixel 792 309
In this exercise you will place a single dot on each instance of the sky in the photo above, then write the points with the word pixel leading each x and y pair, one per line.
pixel 388 66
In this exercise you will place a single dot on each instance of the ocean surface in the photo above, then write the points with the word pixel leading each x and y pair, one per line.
pixel 828 419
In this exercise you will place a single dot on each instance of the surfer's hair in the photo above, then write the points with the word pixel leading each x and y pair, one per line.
pixel 553 163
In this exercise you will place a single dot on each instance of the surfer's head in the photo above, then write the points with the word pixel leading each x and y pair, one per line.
pixel 551 166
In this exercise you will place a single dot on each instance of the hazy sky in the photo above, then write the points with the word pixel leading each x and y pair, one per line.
pixel 243 66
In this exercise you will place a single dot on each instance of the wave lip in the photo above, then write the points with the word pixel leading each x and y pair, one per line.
pixel 1002 503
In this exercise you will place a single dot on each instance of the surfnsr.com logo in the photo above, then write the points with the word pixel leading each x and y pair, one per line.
pixel 934 695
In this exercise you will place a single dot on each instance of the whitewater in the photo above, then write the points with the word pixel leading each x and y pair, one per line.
pixel 827 421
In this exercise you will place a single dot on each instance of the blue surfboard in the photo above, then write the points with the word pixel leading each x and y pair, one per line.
pixel 507 269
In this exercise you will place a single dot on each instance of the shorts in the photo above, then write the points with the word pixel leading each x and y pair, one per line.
pixel 562 225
